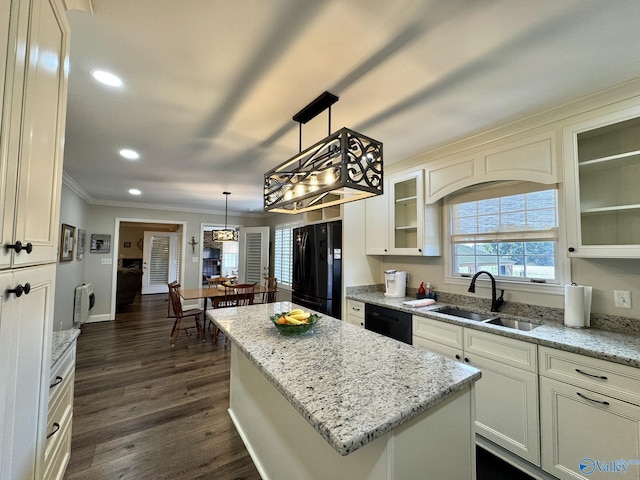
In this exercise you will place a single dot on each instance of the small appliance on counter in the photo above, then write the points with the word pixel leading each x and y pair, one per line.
pixel 395 282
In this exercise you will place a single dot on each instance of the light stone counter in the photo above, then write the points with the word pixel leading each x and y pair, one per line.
pixel 613 346
pixel 61 341
pixel 351 385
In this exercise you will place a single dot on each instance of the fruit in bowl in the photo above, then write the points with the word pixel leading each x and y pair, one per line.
pixel 294 322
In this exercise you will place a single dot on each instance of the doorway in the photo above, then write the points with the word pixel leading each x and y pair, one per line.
pixel 133 250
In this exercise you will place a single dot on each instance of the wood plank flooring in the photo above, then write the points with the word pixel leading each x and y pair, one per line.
pixel 145 411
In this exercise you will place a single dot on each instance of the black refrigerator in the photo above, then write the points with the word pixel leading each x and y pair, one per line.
pixel 317 267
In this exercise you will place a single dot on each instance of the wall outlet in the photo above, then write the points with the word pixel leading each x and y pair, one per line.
pixel 622 298
pixel 106 261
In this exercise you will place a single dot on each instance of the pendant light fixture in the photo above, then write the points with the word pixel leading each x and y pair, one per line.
pixel 343 167
pixel 226 235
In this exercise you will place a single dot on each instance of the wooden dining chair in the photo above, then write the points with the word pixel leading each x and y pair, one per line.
pixel 271 287
pixel 176 312
pixel 237 296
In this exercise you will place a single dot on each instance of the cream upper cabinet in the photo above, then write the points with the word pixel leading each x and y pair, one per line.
pixel 377 224
pixel 30 150
pixel 399 222
pixel 602 171
pixel 531 159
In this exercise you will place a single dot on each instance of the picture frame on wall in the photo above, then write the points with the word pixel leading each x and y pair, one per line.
pixel 100 243
pixel 67 239
pixel 82 235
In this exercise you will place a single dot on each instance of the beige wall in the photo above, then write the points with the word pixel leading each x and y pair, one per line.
pixel 604 275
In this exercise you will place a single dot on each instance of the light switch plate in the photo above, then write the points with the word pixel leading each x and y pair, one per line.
pixel 106 261
pixel 194 259
pixel 622 298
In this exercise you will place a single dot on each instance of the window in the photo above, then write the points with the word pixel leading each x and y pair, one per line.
pixel 510 231
pixel 283 254
pixel 229 258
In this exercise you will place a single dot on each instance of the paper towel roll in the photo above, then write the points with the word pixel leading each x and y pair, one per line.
pixel 577 306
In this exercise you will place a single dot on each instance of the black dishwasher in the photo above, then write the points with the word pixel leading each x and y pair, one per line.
pixel 388 322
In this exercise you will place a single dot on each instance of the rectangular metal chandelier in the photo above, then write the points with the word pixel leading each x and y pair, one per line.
pixel 341 168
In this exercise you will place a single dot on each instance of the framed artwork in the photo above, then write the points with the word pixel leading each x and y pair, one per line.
pixel 82 236
pixel 100 243
pixel 67 238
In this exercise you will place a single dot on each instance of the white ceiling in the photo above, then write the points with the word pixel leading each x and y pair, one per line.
pixel 210 86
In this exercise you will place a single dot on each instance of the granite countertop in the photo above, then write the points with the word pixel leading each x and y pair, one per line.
pixel 605 345
pixel 61 342
pixel 350 384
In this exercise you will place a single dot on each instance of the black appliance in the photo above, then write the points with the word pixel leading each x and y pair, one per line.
pixel 317 267
pixel 388 322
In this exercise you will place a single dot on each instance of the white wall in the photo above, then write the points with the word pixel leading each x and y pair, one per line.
pixel 73 211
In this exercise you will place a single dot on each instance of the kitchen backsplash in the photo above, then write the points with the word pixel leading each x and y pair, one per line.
pixel 599 321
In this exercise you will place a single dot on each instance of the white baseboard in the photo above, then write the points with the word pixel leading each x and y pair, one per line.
pixel 104 317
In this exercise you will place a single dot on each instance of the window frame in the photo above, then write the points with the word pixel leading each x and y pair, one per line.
pixel 499 189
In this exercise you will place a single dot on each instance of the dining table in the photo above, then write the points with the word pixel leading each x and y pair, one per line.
pixel 216 293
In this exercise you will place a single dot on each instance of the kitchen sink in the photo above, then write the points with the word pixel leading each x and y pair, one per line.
pixel 459 312
pixel 517 324
pixel 493 319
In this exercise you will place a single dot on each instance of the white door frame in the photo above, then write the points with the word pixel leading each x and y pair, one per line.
pixel 116 242
pixel 146 260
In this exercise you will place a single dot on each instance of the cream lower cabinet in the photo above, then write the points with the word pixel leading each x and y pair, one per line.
pixel 507 394
pixel 506 397
pixel 355 312
pixel 26 328
pixel 58 445
pixel 590 417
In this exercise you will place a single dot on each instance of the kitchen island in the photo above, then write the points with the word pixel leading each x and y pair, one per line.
pixel 342 402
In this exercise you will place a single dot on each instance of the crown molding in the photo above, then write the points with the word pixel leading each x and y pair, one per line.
pixel 75 187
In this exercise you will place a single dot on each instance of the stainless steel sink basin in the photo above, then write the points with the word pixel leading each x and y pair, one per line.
pixel 493 319
pixel 459 312
pixel 517 324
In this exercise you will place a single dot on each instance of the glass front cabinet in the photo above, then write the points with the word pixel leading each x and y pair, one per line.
pixel 602 181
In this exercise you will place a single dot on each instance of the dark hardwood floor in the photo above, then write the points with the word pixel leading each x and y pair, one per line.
pixel 143 410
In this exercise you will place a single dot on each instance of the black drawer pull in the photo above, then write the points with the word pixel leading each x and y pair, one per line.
pixel 356 309
pixel 19 290
pixel 601 377
pixel 56 427
pixel 57 381
pixel 601 402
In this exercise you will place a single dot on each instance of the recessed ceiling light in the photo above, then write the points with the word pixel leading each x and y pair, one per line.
pixel 107 78
pixel 129 154
pixel 134 191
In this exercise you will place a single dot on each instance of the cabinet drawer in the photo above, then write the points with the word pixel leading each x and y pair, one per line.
pixel 608 378
pixel 501 349
pixel 355 308
pixel 60 410
pixel 450 352
pixel 58 454
pixel 437 331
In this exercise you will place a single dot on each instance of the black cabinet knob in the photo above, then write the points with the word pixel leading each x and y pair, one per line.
pixel 18 247
pixel 571 249
pixel 19 290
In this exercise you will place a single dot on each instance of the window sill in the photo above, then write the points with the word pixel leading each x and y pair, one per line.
pixel 483 282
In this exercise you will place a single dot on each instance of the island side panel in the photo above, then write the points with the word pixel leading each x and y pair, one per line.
pixel 283 445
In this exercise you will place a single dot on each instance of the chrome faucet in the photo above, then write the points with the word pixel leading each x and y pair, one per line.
pixel 495 302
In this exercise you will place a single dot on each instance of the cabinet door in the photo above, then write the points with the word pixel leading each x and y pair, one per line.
pixel 584 433
pixel 26 328
pixel 377 224
pixel 506 407
pixel 36 139
pixel 406 209
pixel 602 167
